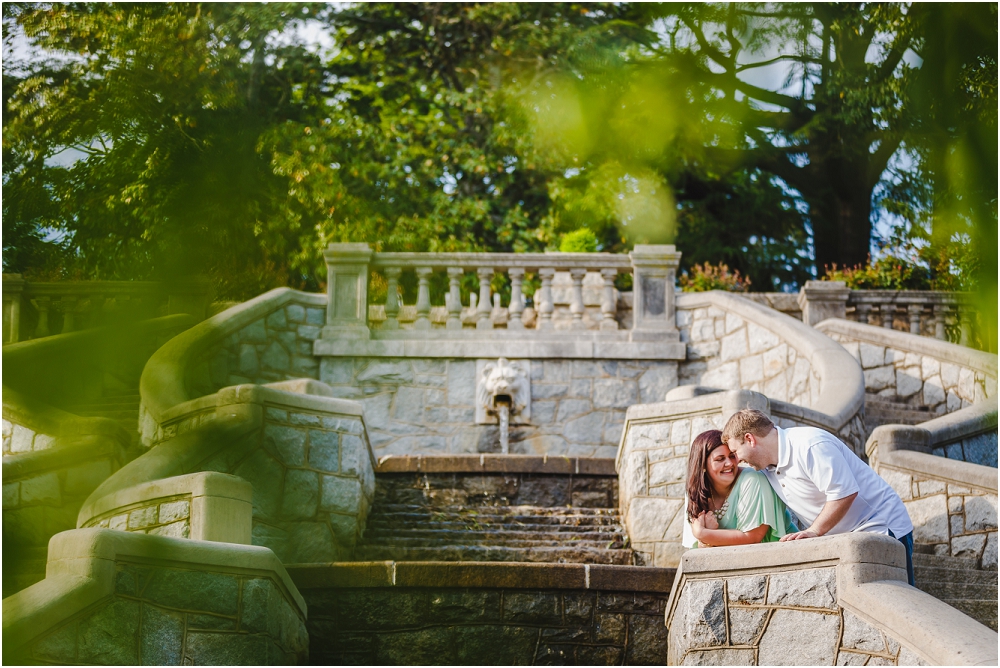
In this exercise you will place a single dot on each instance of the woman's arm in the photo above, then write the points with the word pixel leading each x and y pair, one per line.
pixel 720 537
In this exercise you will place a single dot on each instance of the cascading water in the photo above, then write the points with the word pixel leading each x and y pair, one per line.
pixel 503 412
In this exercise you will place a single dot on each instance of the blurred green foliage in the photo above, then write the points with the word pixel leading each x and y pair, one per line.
pixel 213 140
pixel 578 241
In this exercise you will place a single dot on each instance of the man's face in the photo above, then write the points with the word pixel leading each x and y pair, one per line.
pixel 746 451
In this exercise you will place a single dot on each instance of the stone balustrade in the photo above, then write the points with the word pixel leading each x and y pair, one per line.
pixel 34 309
pixel 835 600
pixel 946 316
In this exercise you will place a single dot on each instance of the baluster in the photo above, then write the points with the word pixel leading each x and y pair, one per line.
pixel 888 311
pixel 483 310
pixel 965 318
pixel 608 305
pixel 915 311
pixel 546 307
pixel 454 298
pixel 940 313
pixel 68 306
pixel 392 298
pixel 423 298
pixel 576 307
pixel 863 309
pixel 516 306
pixel 42 304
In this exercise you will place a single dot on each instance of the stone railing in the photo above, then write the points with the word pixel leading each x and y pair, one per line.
pixel 946 316
pixel 581 281
pixel 305 453
pixel 951 499
pixel 32 310
pixel 939 376
pixel 484 613
pixel 115 597
pixel 835 600
pixel 200 506
pixel 653 455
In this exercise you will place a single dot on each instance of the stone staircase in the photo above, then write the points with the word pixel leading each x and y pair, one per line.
pixel 880 411
pixel 477 517
pixel 959 583
pixel 121 406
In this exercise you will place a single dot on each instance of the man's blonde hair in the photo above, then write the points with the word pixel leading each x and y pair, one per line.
pixel 747 421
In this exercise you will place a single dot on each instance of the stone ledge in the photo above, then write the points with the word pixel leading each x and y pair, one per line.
pixel 491 575
pixel 81 573
pixel 496 464
pixel 26 464
pixel 971 421
pixel 941 350
pixel 585 345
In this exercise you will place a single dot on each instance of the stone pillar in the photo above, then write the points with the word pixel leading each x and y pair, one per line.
pixel 42 305
pixel 821 300
pixel 654 272
pixel 13 288
pixel 392 297
pixel 483 309
pixel 940 315
pixel 454 298
pixel 915 311
pixel 863 309
pixel 608 305
pixel 347 291
pixel 888 312
pixel 68 307
pixel 576 307
pixel 516 306
pixel 423 298
pixel 965 320
pixel 545 305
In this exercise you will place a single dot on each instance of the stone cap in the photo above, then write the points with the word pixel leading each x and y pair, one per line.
pixel 75 451
pixel 203 483
pixel 81 573
pixel 558 261
pixel 488 575
pixel 489 463
pixel 914 343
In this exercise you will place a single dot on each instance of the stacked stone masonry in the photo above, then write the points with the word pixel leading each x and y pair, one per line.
pixel 427 406
pixel 784 618
pixel 158 517
pixel 955 520
pixel 18 438
pixel 727 352
pixel 980 449
pixel 169 616
pixel 917 379
pixel 651 477
pixel 473 626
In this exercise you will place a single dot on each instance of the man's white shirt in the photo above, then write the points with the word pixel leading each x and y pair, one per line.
pixel 815 466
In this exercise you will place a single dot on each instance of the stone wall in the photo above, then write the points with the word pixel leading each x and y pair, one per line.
pixel 956 520
pixel 171 616
pixel 727 352
pixel 18 438
pixel 980 449
pixel 160 518
pixel 415 406
pixel 781 618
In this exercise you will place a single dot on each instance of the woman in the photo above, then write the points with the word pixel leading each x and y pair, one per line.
pixel 729 505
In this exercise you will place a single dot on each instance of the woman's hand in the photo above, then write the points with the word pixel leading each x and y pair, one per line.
pixel 710 521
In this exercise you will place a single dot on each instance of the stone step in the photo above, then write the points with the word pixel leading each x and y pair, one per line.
pixel 498 522
pixel 555 555
pixel 942 561
pixel 509 513
pixel 879 412
pixel 484 539
pixel 946 590
pixel 982 610
pixel 383 525
pixel 959 576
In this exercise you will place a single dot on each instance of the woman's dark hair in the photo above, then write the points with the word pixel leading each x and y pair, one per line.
pixel 699 488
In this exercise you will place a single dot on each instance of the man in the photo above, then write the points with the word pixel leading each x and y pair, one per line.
pixel 825 484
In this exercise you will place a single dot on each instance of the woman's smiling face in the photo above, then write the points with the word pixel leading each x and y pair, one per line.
pixel 722 467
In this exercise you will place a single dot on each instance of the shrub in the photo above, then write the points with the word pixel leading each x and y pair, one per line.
pixel 705 277
pixel 579 241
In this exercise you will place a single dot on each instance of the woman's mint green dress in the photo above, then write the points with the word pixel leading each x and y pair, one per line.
pixel 752 503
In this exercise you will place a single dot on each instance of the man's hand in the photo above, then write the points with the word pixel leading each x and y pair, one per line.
pixel 798 535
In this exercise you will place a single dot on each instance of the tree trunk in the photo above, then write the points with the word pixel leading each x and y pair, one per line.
pixel 842 226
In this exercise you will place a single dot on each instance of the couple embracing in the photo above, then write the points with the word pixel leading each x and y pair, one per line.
pixel 804 469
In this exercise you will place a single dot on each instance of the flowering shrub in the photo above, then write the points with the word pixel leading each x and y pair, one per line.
pixel 948 267
pixel 705 277
pixel 886 273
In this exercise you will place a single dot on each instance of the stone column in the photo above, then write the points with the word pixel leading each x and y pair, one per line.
pixel 423 298
pixel 545 305
pixel 654 270
pixel 888 311
pixel 392 298
pixel 965 320
pixel 454 298
pixel 940 314
pixel 42 305
pixel 862 309
pixel 483 309
pixel 608 305
pixel 576 307
pixel 915 311
pixel 821 300
pixel 516 307
pixel 13 289
pixel 68 307
pixel 347 291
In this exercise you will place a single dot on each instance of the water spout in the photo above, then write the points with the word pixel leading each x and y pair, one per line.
pixel 503 412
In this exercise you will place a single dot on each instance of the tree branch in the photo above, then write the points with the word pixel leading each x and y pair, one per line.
pixel 765 63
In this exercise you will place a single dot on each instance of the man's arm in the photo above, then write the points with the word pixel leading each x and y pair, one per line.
pixel 833 512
